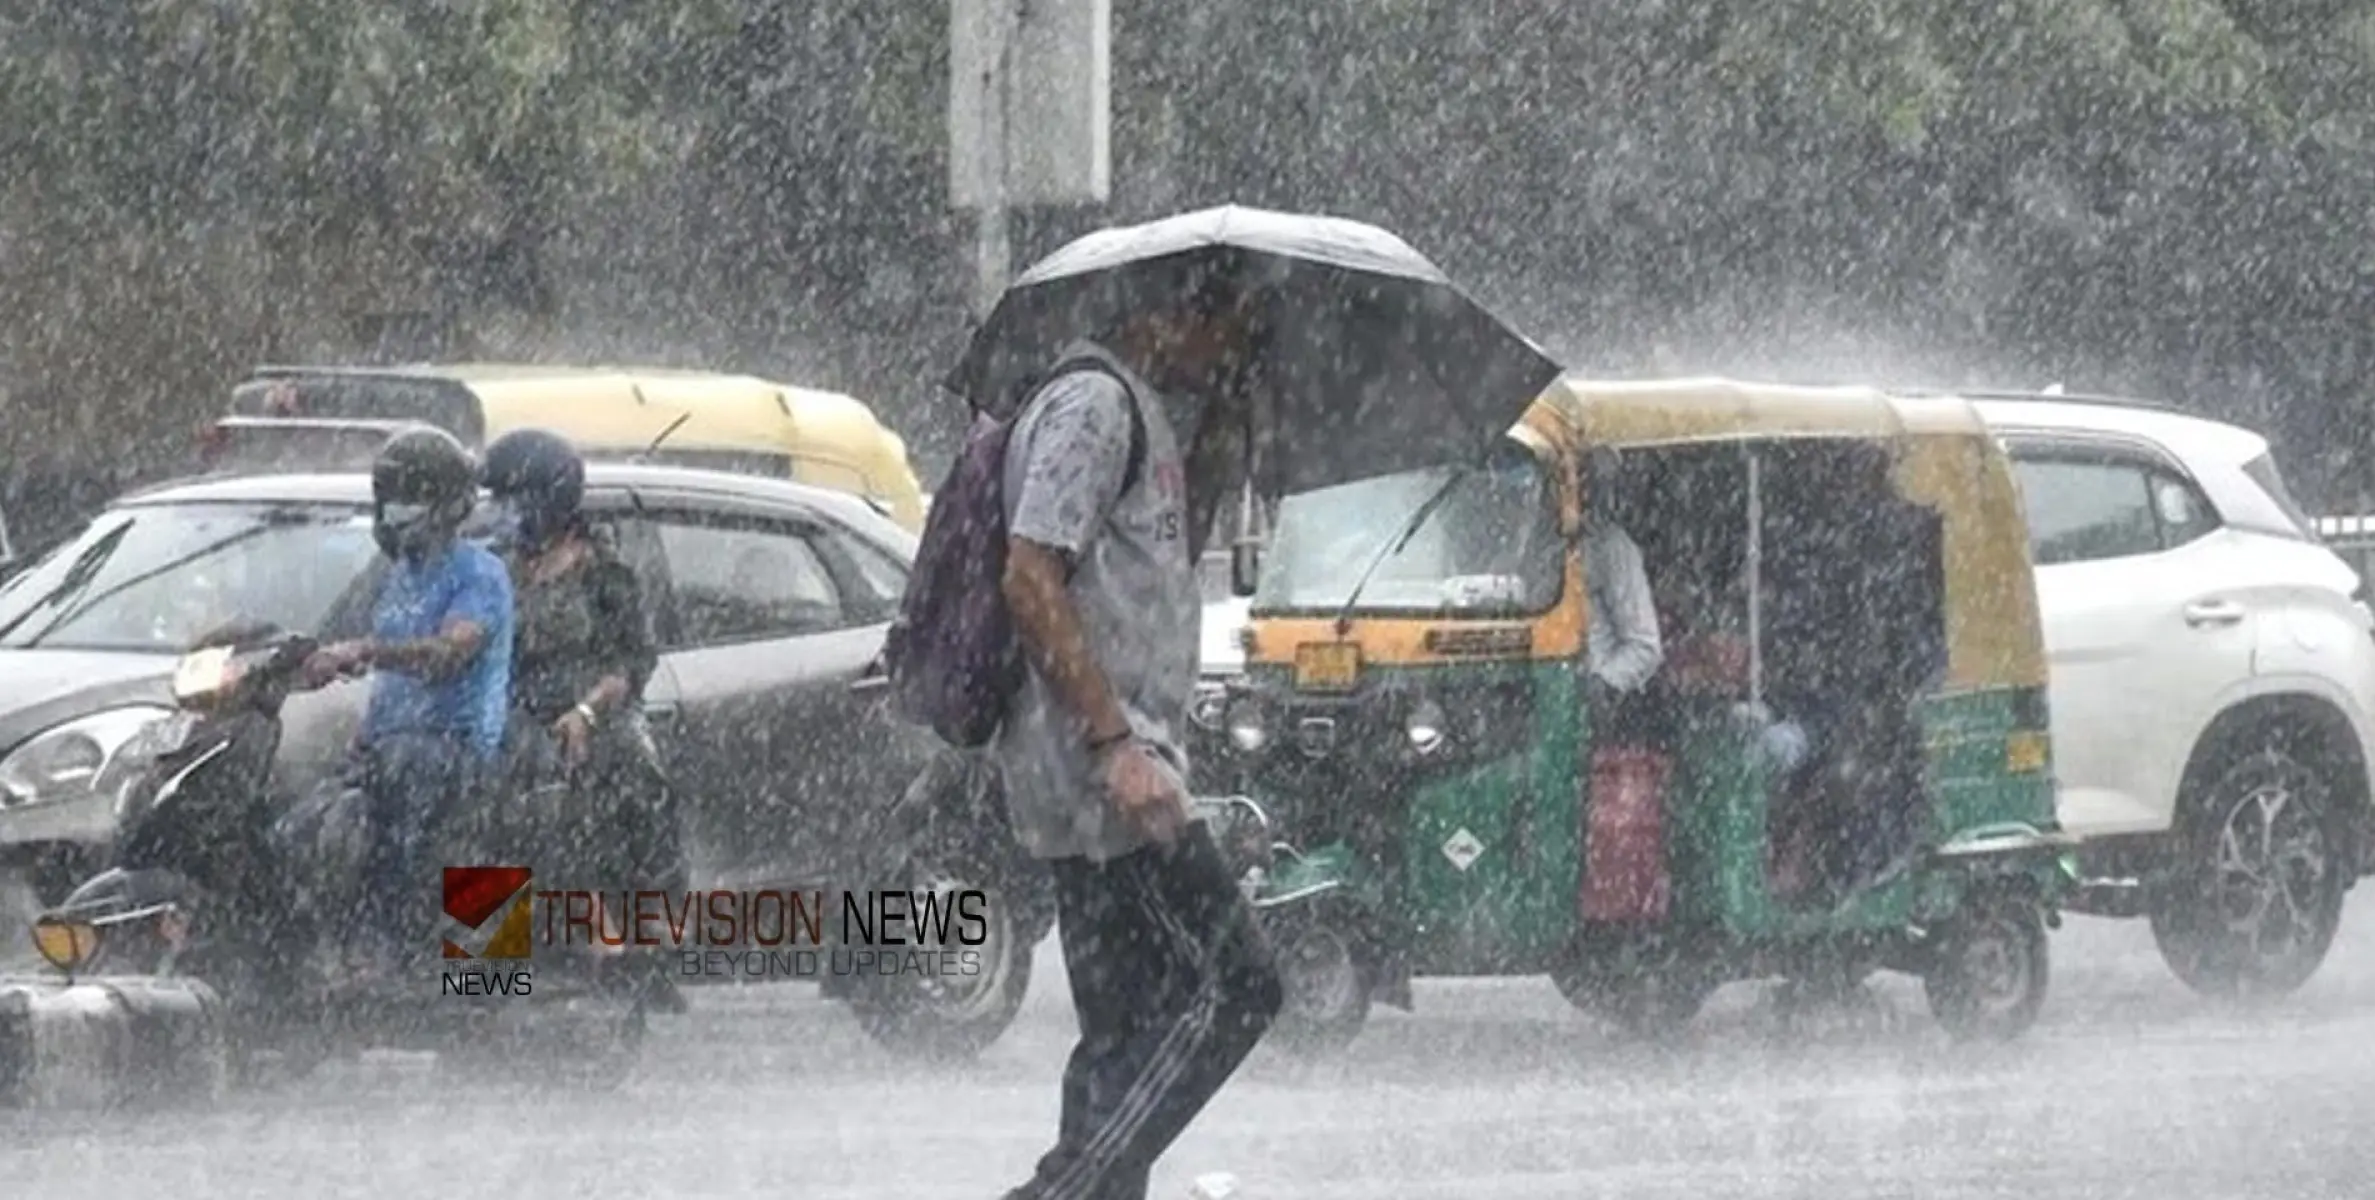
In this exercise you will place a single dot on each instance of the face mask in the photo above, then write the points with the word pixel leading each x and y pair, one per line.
pixel 404 530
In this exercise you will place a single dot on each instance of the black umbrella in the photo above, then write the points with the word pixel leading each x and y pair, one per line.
pixel 1376 362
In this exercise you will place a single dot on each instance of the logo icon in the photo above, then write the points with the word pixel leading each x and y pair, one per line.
pixel 1463 849
pixel 475 894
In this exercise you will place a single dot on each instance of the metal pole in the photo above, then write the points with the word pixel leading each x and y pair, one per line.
pixel 1756 581
pixel 993 253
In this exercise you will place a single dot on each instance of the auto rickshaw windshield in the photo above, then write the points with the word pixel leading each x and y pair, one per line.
pixel 1491 544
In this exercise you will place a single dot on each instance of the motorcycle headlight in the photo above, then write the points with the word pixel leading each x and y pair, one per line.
pixel 1425 727
pixel 1210 707
pixel 1247 731
pixel 67 761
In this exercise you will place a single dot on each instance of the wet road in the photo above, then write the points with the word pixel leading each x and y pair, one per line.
pixel 2129 1088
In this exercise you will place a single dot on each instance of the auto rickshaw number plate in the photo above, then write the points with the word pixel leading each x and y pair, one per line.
pixel 1327 666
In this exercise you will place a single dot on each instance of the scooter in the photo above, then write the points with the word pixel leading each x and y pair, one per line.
pixel 211 884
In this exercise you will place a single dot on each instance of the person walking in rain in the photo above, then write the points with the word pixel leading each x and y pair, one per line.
pixel 1171 982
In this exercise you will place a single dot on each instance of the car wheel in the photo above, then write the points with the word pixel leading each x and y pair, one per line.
pixel 951 1017
pixel 1990 970
pixel 1326 993
pixel 2252 903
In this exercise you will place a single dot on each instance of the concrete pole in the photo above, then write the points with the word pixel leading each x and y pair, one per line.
pixel 993 251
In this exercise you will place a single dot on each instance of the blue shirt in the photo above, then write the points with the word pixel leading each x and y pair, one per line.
pixel 416 601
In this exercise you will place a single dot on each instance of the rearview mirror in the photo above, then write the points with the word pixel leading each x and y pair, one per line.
pixel 1245 566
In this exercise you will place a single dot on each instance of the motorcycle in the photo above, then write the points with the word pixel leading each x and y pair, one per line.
pixel 210 884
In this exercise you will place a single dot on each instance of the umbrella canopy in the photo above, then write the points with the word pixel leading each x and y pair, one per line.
pixel 1375 361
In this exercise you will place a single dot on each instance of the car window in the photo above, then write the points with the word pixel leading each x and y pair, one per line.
pixel 738 581
pixel 156 577
pixel 885 576
pixel 2081 509
pixel 2184 513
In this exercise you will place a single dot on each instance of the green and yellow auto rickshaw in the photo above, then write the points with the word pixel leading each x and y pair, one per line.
pixel 1841 765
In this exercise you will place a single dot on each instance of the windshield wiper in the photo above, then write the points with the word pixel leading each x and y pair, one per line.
pixel 266 522
pixel 78 576
pixel 1418 520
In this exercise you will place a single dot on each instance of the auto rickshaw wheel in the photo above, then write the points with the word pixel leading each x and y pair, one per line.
pixel 1989 969
pixel 952 1018
pixel 1327 992
pixel 2255 899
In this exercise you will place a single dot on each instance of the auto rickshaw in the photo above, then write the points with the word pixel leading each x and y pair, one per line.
pixel 332 417
pixel 1427 794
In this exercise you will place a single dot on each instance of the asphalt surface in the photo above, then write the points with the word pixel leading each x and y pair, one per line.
pixel 2130 1087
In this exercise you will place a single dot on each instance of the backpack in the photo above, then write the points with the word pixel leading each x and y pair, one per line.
pixel 952 656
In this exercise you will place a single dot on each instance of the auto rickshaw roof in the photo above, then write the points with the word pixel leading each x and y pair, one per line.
pixel 1678 411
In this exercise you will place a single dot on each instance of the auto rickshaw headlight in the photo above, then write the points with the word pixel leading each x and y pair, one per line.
pixel 1425 727
pixel 66 945
pixel 1247 731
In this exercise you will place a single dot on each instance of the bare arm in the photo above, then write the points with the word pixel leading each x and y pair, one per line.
pixel 482 599
pixel 1075 457
pixel 1051 635
pixel 441 657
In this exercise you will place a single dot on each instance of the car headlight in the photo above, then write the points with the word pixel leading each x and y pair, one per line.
pixel 67 761
pixel 1209 709
pixel 1247 731
pixel 1425 727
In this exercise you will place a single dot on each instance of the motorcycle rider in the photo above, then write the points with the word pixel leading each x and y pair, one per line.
pixel 583 656
pixel 439 656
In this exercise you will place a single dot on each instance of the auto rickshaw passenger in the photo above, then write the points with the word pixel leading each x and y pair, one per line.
pixel 1711 658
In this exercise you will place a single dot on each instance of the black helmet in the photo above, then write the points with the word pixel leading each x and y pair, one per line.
pixel 423 486
pixel 540 477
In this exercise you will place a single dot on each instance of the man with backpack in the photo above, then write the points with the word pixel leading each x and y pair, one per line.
pixel 1171 982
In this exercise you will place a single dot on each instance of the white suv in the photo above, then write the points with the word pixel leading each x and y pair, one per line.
pixel 2212 684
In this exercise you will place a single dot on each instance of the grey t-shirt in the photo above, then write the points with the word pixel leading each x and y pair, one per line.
pixel 1132 583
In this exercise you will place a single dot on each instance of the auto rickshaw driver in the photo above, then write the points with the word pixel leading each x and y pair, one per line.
pixel 1625 648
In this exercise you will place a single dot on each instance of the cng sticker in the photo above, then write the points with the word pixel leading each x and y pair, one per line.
pixel 1463 849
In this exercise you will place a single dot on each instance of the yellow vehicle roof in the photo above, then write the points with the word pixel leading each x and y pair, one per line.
pixel 623 410
pixel 1677 411
pixel 833 439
